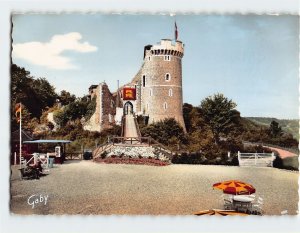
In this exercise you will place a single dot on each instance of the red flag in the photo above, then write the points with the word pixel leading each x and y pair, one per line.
pixel 18 111
pixel 129 93
pixel 176 31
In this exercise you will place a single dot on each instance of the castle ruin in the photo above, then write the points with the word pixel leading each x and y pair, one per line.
pixel 155 92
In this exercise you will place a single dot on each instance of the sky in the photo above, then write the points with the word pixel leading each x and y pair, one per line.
pixel 251 59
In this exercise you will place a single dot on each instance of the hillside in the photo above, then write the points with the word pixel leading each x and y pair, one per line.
pixel 289 126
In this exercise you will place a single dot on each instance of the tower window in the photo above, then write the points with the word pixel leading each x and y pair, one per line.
pixel 165 105
pixel 144 80
pixel 167 77
pixel 150 92
pixel 149 58
pixel 170 92
pixel 167 58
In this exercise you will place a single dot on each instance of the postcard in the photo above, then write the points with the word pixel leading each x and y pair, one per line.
pixel 154 114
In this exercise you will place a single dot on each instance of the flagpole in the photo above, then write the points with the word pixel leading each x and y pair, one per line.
pixel 176 31
pixel 20 146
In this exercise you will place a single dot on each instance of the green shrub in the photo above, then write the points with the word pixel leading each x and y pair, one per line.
pixel 103 155
pixel 290 163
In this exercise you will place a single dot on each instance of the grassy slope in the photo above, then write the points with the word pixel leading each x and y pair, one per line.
pixel 290 126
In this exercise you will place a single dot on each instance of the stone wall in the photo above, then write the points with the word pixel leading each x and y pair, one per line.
pixel 103 117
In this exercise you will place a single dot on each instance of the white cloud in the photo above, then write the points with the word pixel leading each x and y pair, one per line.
pixel 49 54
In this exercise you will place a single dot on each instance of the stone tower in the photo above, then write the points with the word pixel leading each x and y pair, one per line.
pixel 160 82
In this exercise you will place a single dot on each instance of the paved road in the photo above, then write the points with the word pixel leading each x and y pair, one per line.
pixel 282 153
pixel 130 127
pixel 85 187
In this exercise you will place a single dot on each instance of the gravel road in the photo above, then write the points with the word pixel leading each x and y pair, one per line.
pixel 84 187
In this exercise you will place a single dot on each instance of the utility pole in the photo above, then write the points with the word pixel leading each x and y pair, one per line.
pixel 118 97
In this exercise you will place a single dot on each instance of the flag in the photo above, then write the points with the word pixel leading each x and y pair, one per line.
pixel 129 93
pixel 176 31
pixel 18 109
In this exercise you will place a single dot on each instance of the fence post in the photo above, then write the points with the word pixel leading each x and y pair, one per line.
pixel 273 157
pixel 15 159
pixel 35 158
pixel 239 155
pixel 228 154
pixel 47 157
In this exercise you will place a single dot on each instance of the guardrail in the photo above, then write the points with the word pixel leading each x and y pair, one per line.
pixel 256 159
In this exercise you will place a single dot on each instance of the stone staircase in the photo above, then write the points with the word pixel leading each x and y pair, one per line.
pixel 131 144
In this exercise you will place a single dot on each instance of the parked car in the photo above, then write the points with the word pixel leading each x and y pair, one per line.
pixel 87 154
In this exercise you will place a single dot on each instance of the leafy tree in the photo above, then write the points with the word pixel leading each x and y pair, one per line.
pixel 220 114
pixel 90 109
pixel 186 110
pixel 65 97
pixel 81 107
pixel 60 117
pixel 167 132
pixel 35 94
pixel 44 92
pixel 274 129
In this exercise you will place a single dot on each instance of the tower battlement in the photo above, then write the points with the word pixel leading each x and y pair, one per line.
pixel 166 47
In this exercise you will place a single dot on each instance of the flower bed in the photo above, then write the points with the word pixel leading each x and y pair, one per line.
pixel 141 161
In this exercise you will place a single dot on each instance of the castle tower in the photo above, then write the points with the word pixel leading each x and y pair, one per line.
pixel 160 82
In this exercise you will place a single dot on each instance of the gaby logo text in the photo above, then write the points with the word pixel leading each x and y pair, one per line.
pixel 37 199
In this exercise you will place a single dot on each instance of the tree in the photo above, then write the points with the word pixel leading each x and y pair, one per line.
pixel 186 110
pixel 220 114
pixel 65 97
pixel 35 94
pixel 81 107
pixel 274 129
pixel 166 132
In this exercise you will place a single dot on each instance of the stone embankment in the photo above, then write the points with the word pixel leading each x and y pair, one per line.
pixel 136 152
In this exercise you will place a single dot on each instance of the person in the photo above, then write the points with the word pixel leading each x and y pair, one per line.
pixel 38 166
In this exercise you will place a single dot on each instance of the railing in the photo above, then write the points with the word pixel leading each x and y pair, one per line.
pixel 130 140
pixel 122 126
pixel 43 158
pixel 256 159
pixel 137 126
pixel 75 155
pixel 96 153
